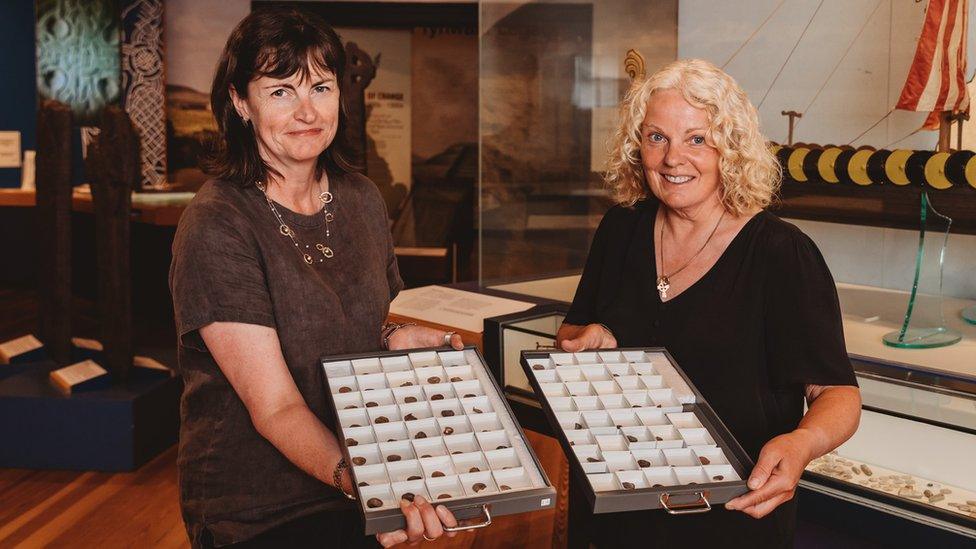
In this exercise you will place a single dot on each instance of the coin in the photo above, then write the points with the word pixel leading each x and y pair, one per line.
pixel 478 486
pixel 406 384
pixel 592 460
pixel 363 483
pixel 344 389
pixel 447 413
pixel 501 447
pixel 538 367
pixel 414 477
pixel 374 502
pixel 407 496
pixel 351 442
pixel 444 496
pixel 420 434
pixel 371 404
pixel 410 399
pixel 636 406
pixel 433 379
pixel 704 460
pixel 359 460
pixel 436 474
pixel 631 438
pixel 866 470
pixel 476 410
pixel 392 457
pixel 425 456
pixel 474 470
pixel 438 396
pixel 656 485
pixel 643 463
pixel 408 417
pixel 505 487
pixel 577 426
pixel 351 406
pixel 448 430
pixel 629 486
pixel 382 419
pixel 355 425
pixel 469 395
pixel 455 379
pixel 718 477
pixel 658 438
pixel 456 452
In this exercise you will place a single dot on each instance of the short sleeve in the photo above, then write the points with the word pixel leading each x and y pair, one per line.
pixel 216 275
pixel 804 331
pixel 584 307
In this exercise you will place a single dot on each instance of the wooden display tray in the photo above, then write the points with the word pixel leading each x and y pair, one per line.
pixel 676 499
pixel 498 503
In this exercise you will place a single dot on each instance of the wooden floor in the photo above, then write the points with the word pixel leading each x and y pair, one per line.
pixel 141 509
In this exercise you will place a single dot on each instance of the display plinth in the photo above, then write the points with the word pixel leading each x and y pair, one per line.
pixel 113 429
pixel 925 326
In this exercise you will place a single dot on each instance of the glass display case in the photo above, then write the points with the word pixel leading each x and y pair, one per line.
pixel 913 453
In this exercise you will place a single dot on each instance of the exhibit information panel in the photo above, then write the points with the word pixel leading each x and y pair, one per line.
pixel 431 423
pixel 635 428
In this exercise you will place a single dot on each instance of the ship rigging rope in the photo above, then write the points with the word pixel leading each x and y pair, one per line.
pixel 754 33
pixel 798 40
pixel 860 135
pixel 839 61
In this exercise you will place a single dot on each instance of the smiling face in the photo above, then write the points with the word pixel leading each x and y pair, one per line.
pixel 294 119
pixel 680 165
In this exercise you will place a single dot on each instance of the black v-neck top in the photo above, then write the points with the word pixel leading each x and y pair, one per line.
pixel 756 328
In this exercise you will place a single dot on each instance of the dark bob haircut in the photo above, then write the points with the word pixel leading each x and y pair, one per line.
pixel 277 43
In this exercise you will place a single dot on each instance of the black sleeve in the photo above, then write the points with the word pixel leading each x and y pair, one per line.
pixel 583 309
pixel 804 331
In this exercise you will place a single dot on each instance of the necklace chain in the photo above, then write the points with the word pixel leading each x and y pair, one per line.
pixel 326 198
pixel 664 280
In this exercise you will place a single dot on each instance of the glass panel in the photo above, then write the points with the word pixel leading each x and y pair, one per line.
pixel 547 324
pixel 951 408
pixel 513 343
pixel 551 77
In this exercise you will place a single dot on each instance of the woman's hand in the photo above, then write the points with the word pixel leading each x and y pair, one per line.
pixel 776 474
pixel 423 519
pixel 416 337
pixel 572 338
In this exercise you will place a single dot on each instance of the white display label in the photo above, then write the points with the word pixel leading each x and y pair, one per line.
pixel 9 149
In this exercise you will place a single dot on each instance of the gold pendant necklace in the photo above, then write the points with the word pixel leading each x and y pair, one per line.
pixel 664 280
pixel 326 198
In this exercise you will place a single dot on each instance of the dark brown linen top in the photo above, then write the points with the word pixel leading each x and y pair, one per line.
pixel 231 264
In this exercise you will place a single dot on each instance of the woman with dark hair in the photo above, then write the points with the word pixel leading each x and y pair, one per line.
pixel 284 257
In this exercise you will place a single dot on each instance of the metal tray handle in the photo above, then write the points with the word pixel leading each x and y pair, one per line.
pixel 475 526
pixel 699 506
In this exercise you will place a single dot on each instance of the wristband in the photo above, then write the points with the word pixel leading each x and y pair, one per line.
pixel 337 478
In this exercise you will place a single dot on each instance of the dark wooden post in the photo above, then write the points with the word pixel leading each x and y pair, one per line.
pixel 360 71
pixel 113 168
pixel 53 183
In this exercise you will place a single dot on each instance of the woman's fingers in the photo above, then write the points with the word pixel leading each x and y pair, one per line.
pixel 415 523
pixel 389 539
pixel 447 519
pixel 456 342
pixel 432 524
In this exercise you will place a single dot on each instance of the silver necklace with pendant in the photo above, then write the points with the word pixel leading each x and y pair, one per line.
pixel 664 280
pixel 326 198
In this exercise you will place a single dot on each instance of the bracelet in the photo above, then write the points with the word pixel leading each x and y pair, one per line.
pixel 390 328
pixel 337 478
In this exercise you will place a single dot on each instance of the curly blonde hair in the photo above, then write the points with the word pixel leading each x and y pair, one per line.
pixel 750 173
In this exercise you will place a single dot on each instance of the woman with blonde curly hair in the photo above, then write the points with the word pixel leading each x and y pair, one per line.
pixel 690 260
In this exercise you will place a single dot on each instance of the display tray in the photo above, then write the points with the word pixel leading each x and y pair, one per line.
pixel 635 428
pixel 431 422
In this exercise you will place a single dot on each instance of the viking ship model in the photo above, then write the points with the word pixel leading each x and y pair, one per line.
pixel 936 83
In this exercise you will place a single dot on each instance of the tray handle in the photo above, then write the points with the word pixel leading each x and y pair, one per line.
pixel 701 505
pixel 475 526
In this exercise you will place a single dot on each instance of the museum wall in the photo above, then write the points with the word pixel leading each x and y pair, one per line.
pixel 17 65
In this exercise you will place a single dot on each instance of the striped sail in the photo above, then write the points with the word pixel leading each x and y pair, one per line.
pixel 937 79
